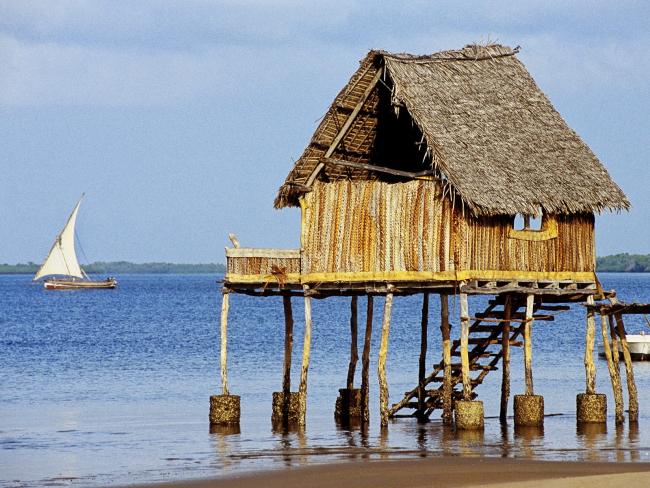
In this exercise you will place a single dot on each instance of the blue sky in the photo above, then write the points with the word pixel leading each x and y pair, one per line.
pixel 180 119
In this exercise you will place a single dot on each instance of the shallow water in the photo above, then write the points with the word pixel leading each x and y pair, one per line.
pixel 111 386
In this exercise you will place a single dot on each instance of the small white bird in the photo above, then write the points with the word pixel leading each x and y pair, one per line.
pixel 233 239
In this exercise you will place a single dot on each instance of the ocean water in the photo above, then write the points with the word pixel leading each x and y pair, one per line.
pixel 111 386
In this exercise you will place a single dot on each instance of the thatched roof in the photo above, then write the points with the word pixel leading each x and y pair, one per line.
pixel 489 133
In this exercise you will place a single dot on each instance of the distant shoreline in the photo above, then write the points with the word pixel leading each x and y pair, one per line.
pixel 615 263
pixel 124 267
pixel 624 263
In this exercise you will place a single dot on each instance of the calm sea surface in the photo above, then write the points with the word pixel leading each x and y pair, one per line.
pixel 111 387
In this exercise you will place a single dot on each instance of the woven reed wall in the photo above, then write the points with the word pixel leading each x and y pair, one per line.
pixel 261 265
pixel 483 244
pixel 371 226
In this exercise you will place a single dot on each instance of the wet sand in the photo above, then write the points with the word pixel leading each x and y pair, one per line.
pixel 438 472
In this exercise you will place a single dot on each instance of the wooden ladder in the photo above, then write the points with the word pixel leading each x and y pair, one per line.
pixel 485 352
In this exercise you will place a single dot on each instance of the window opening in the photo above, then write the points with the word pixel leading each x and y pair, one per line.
pixel 527 222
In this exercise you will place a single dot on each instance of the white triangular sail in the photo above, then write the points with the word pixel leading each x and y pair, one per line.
pixel 62 259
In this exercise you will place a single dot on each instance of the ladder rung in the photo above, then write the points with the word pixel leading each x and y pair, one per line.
pixel 485 328
pixel 455 379
pixel 474 367
pixel 484 341
pixel 515 317
pixel 483 355
pixel 441 380
pixel 554 308
pixel 433 393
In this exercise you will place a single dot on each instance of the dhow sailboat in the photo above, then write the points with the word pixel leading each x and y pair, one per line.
pixel 61 267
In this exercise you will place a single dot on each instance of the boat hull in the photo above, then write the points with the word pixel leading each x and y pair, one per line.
pixel 639 345
pixel 108 283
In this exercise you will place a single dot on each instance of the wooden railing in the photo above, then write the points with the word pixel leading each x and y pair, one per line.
pixel 251 265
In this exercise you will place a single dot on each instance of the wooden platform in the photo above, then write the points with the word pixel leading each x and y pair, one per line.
pixel 272 272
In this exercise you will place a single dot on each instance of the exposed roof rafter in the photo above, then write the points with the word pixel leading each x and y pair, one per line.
pixel 490 132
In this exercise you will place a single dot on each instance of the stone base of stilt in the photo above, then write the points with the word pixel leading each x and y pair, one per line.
pixel 225 429
pixel 294 406
pixel 348 405
pixel 529 410
pixel 224 409
pixel 469 414
pixel 591 407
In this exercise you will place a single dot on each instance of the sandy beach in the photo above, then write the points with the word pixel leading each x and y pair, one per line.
pixel 438 472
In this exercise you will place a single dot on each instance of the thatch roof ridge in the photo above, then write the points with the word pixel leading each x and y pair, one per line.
pixel 471 52
pixel 493 136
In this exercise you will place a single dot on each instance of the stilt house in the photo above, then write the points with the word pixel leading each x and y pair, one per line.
pixel 449 173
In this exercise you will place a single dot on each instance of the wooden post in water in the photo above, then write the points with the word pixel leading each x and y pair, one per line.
pixel 225 408
pixel 528 408
pixel 505 348
pixel 354 356
pixel 224 342
pixel 365 363
pixel 447 405
pixel 528 344
pixel 614 336
pixel 613 373
pixel 591 407
pixel 464 352
pixel 288 349
pixel 423 352
pixel 633 402
pixel 590 367
pixel 383 352
pixel 305 358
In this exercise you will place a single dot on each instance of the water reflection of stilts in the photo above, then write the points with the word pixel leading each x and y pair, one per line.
pixel 634 441
pixel 364 441
pixel 351 440
pixel 225 436
pixel 619 440
pixel 529 437
pixel 302 446
pixel 470 441
pixel 422 436
pixel 447 440
pixel 289 434
pixel 505 440
pixel 383 442
pixel 591 435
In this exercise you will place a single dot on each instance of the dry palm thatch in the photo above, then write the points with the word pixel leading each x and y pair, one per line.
pixel 487 131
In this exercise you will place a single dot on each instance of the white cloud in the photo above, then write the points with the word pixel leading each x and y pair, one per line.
pixel 154 53
pixel 51 73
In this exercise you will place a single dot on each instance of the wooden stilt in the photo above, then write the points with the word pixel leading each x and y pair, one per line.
pixel 464 353
pixel 381 364
pixel 505 348
pixel 613 373
pixel 423 352
pixel 590 367
pixel 288 349
pixel 354 356
pixel 305 358
pixel 528 345
pixel 633 402
pixel 447 413
pixel 224 341
pixel 614 337
pixel 365 363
